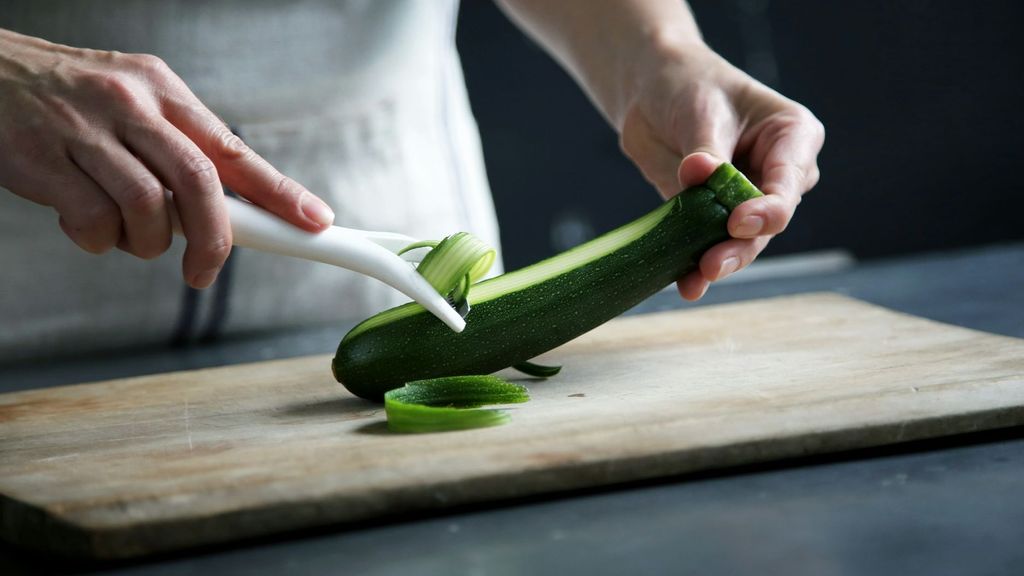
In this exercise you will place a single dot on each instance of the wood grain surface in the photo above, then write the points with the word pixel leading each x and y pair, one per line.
pixel 141 465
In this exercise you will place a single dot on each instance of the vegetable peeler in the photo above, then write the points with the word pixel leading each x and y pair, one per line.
pixel 367 252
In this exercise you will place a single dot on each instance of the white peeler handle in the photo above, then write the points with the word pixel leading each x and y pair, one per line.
pixel 256 228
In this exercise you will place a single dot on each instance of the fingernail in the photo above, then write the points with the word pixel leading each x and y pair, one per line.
pixel 204 279
pixel 315 209
pixel 704 290
pixel 730 265
pixel 750 226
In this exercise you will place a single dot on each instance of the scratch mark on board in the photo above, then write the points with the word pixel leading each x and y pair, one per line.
pixel 188 426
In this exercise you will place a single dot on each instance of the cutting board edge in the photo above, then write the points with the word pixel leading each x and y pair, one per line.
pixel 26 526
pixel 80 540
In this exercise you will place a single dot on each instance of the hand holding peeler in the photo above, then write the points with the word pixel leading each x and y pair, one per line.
pixel 367 252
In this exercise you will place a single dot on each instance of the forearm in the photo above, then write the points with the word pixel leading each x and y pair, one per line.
pixel 607 45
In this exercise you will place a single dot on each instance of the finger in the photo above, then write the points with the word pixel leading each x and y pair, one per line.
pixel 197 192
pixel 138 193
pixel 246 172
pixel 696 168
pixel 786 157
pixel 711 142
pixel 767 215
pixel 692 286
pixel 790 153
pixel 729 257
pixel 87 215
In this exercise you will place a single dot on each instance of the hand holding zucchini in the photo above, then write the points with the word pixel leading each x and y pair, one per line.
pixel 522 314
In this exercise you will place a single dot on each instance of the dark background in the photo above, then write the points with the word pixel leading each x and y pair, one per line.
pixel 920 101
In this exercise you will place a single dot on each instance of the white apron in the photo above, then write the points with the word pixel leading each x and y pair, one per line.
pixel 363 102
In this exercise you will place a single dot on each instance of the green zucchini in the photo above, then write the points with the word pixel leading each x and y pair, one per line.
pixel 521 314
pixel 442 404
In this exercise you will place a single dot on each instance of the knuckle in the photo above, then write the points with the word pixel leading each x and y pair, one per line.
pixel 114 86
pixel 153 247
pixel 819 128
pixel 229 144
pixel 198 171
pixel 813 177
pixel 143 195
pixel 215 248
pixel 287 188
pixel 804 117
pixel 101 217
pixel 150 64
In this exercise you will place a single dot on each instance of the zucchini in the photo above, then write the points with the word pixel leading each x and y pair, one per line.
pixel 521 314
pixel 443 404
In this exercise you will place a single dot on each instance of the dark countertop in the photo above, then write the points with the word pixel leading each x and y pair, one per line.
pixel 946 506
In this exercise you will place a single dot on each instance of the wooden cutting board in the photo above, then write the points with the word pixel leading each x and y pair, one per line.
pixel 135 466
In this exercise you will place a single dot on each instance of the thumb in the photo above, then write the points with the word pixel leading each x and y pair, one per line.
pixel 711 143
pixel 697 167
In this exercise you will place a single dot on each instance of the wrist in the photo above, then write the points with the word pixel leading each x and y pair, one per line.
pixel 24 56
pixel 674 41
pixel 668 52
